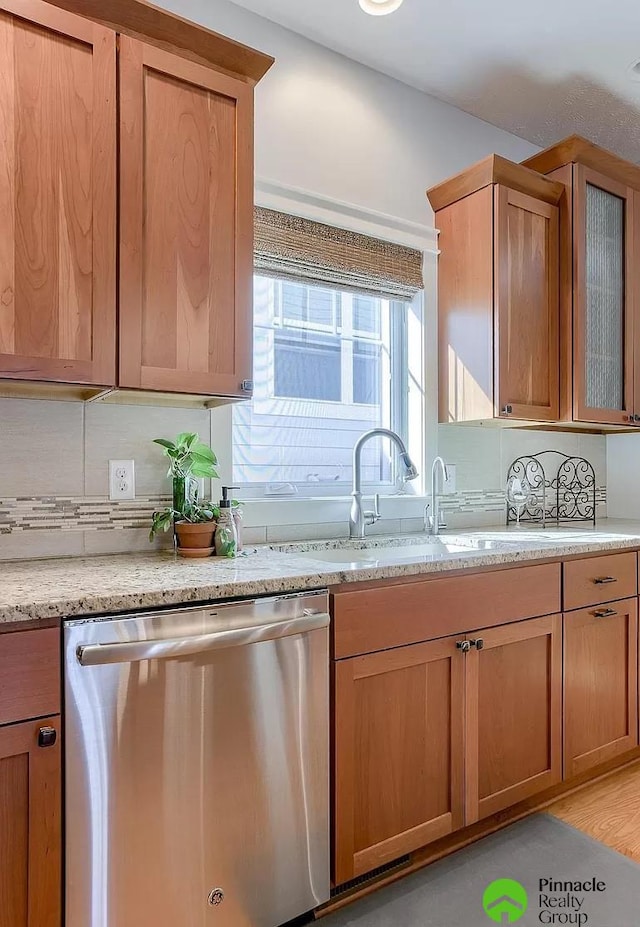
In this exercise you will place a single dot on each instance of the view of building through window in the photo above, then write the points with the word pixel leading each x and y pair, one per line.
pixel 328 365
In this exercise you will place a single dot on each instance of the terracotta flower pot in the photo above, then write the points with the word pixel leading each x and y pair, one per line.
pixel 198 536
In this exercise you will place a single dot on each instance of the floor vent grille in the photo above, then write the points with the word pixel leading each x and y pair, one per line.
pixel 370 876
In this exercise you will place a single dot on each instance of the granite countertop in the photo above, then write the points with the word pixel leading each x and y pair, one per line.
pixel 41 589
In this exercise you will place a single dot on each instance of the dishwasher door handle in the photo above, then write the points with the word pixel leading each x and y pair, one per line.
pixel 134 651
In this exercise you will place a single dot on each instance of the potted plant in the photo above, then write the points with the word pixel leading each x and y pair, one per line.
pixel 194 524
pixel 194 521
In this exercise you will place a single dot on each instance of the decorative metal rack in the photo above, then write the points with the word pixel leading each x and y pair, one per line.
pixel 567 496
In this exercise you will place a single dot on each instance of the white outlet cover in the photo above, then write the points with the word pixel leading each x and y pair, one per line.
pixel 122 480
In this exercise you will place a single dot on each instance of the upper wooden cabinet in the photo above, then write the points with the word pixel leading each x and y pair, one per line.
pixel 599 301
pixel 57 195
pixel 186 225
pixel 498 293
pixel 185 152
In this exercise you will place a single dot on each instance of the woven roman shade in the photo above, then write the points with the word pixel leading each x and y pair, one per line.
pixel 291 248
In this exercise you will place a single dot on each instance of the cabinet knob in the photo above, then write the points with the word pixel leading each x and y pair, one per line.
pixel 247 386
pixel 478 643
pixel 507 410
pixel 47 736
pixel 216 897
pixel 464 646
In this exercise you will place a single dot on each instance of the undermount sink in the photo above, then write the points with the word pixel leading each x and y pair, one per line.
pixel 394 552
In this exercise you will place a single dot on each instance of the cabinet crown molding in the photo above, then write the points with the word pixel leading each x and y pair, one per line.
pixel 494 170
pixel 142 20
pixel 578 150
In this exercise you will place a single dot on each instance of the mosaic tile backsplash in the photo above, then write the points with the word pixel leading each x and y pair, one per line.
pixel 65 513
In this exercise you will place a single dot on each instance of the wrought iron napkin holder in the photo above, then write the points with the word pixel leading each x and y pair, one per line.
pixel 568 496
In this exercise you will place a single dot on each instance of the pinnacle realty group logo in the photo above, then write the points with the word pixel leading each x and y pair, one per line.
pixel 505 901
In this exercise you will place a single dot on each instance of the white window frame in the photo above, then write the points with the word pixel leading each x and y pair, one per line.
pixel 423 402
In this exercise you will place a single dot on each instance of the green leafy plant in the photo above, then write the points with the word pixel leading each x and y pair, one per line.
pixel 194 512
pixel 189 456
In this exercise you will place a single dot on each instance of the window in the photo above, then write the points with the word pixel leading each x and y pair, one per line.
pixel 328 365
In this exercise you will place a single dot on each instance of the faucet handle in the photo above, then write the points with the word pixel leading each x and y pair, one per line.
pixel 372 517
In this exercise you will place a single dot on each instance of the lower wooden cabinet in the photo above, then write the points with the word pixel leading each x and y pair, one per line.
pixel 30 825
pixel 398 753
pixel 600 684
pixel 513 732
pixel 433 736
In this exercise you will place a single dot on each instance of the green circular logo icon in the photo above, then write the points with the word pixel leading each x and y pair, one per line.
pixel 505 901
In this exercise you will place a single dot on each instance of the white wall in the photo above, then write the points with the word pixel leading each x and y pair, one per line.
pixel 623 476
pixel 338 129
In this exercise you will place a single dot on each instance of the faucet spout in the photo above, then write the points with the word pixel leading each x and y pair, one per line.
pixel 434 523
pixel 357 518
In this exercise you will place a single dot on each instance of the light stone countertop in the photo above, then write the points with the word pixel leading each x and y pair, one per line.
pixel 41 589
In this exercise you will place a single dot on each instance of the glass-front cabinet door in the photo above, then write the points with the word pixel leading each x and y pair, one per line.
pixel 602 330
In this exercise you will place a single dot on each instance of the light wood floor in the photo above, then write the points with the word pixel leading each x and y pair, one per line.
pixel 609 811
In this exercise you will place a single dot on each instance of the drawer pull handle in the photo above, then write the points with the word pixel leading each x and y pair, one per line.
pixel 603 580
pixel 605 613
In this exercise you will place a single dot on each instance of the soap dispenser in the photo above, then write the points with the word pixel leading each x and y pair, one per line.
pixel 226 537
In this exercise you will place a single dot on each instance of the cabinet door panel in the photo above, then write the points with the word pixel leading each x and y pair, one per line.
pixel 186 225
pixel 398 753
pixel 600 684
pixel 603 329
pixel 57 195
pixel 513 715
pixel 30 827
pixel 527 306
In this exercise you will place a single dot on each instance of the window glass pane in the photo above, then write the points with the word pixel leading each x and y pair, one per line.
pixel 307 366
pixel 303 304
pixel 322 376
pixel 366 315
pixel 366 372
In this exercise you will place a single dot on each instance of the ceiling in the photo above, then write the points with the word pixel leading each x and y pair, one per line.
pixel 542 71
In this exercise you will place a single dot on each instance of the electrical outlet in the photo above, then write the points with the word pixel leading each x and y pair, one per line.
pixel 122 480
pixel 449 486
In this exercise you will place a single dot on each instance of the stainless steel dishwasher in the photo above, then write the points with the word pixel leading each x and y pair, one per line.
pixel 197 765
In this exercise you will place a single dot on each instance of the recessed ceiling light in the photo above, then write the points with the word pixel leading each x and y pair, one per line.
pixel 380 7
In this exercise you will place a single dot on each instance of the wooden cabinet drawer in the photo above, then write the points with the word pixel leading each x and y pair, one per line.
pixel 378 618
pixel 29 674
pixel 599 579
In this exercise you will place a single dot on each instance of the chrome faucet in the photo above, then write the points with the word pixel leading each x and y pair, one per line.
pixel 435 521
pixel 357 518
